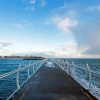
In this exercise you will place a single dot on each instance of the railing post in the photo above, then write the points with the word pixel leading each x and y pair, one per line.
pixel 17 77
pixel 74 67
pixel 36 65
pixel 33 67
pixel 58 61
pixel 39 63
pixel 64 64
pixel 68 68
pixel 61 63
pixel 28 70
pixel 90 77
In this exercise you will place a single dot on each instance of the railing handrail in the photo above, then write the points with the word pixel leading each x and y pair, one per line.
pixel 20 68
pixel 71 70
pixel 85 68
pixel 12 72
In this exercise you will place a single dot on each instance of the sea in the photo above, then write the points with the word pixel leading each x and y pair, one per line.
pixel 8 85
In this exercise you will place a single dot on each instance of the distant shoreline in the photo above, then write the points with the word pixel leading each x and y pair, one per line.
pixel 22 57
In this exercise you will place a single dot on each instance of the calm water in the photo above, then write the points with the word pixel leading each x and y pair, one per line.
pixel 8 85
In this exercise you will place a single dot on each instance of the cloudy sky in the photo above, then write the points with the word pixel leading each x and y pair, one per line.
pixel 56 28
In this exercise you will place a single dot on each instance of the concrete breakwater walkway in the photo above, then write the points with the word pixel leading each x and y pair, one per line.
pixel 51 83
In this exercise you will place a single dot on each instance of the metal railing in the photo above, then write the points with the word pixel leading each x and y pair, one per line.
pixel 84 75
pixel 34 66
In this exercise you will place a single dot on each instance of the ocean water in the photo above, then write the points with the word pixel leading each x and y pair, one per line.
pixel 8 85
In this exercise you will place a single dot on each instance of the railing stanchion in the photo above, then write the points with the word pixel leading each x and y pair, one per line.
pixel 17 77
pixel 61 63
pixel 90 77
pixel 68 67
pixel 33 67
pixel 36 65
pixel 28 71
pixel 74 67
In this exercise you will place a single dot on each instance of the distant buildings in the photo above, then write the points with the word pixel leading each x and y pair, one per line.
pixel 0 56
pixel 21 57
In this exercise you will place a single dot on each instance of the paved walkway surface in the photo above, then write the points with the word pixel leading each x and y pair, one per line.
pixel 51 83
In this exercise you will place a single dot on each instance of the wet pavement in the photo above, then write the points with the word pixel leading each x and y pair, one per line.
pixel 51 83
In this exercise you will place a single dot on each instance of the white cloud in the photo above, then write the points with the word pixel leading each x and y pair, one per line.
pixel 69 50
pixel 98 8
pixel 64 6
pixel 32 8
pixel 19 25
pixel 22 25
pixel 4 45
pixel 32 1
pixel 92 8
pixel 5 48
pixel 5 52
pixel 31 4
pixel 43 3
pixel 65 24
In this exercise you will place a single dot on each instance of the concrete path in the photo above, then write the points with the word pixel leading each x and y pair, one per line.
pixel 51 83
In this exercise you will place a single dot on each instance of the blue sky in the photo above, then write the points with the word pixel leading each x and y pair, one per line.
pixel 59 28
